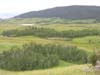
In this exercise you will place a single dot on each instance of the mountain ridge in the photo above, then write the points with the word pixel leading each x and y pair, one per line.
pixel 67 12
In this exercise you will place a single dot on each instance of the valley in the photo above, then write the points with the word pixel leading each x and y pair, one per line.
pixel 86 37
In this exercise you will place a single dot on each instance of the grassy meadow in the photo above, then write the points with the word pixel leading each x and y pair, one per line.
pixel 86 43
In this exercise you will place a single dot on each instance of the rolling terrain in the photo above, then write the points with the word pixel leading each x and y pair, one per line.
pixel 86 43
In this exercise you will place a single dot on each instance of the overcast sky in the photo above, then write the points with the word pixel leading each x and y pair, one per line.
pixel 9 8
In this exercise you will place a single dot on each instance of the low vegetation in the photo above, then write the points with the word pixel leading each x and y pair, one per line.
pixel 59 46
pixel 33 56
pixel 46 32
pixel 94 57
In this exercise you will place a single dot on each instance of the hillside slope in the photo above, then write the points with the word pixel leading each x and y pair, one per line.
pixel 67 12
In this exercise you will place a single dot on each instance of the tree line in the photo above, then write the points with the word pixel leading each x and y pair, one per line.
pixel 46 32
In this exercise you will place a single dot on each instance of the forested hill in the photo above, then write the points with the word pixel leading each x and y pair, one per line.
pixel 67 12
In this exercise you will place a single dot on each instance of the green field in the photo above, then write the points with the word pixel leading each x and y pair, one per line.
pixel 87 43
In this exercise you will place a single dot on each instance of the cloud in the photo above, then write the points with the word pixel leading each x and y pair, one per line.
pixel 21 6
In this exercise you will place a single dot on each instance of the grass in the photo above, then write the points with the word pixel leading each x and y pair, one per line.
pixel 65 27
pixel 4 27
pixel 69 70
pixel 65 68
pixel 64 63
pixel 88 40
pixel 7 46
pixel 88 43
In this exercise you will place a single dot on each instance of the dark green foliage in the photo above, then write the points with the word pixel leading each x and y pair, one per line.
pixel 42 32
pixel 93 59
pixel 72 54
pixel 26 60
pixel 80 33
pixel 46 32
pixel 33 56
pixel 64 53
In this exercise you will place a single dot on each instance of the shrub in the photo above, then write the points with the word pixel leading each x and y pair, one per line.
pixel 93 59
pixel 26 60
pixel 46 32
pixel 33 56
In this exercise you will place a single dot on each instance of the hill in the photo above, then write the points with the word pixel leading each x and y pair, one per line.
pixel 67 12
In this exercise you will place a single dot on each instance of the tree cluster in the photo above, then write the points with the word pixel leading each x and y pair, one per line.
pixel 46 32
pixel 33 56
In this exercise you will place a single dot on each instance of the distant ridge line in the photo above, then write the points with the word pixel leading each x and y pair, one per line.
pixel 66 12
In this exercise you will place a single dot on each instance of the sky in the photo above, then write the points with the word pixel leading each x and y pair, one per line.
pixel 9 8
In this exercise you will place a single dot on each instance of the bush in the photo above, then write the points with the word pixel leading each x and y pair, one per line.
pixel 93 59
pixel 73 54
pixel 46 32
pixel 33 56
pixel 26 60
